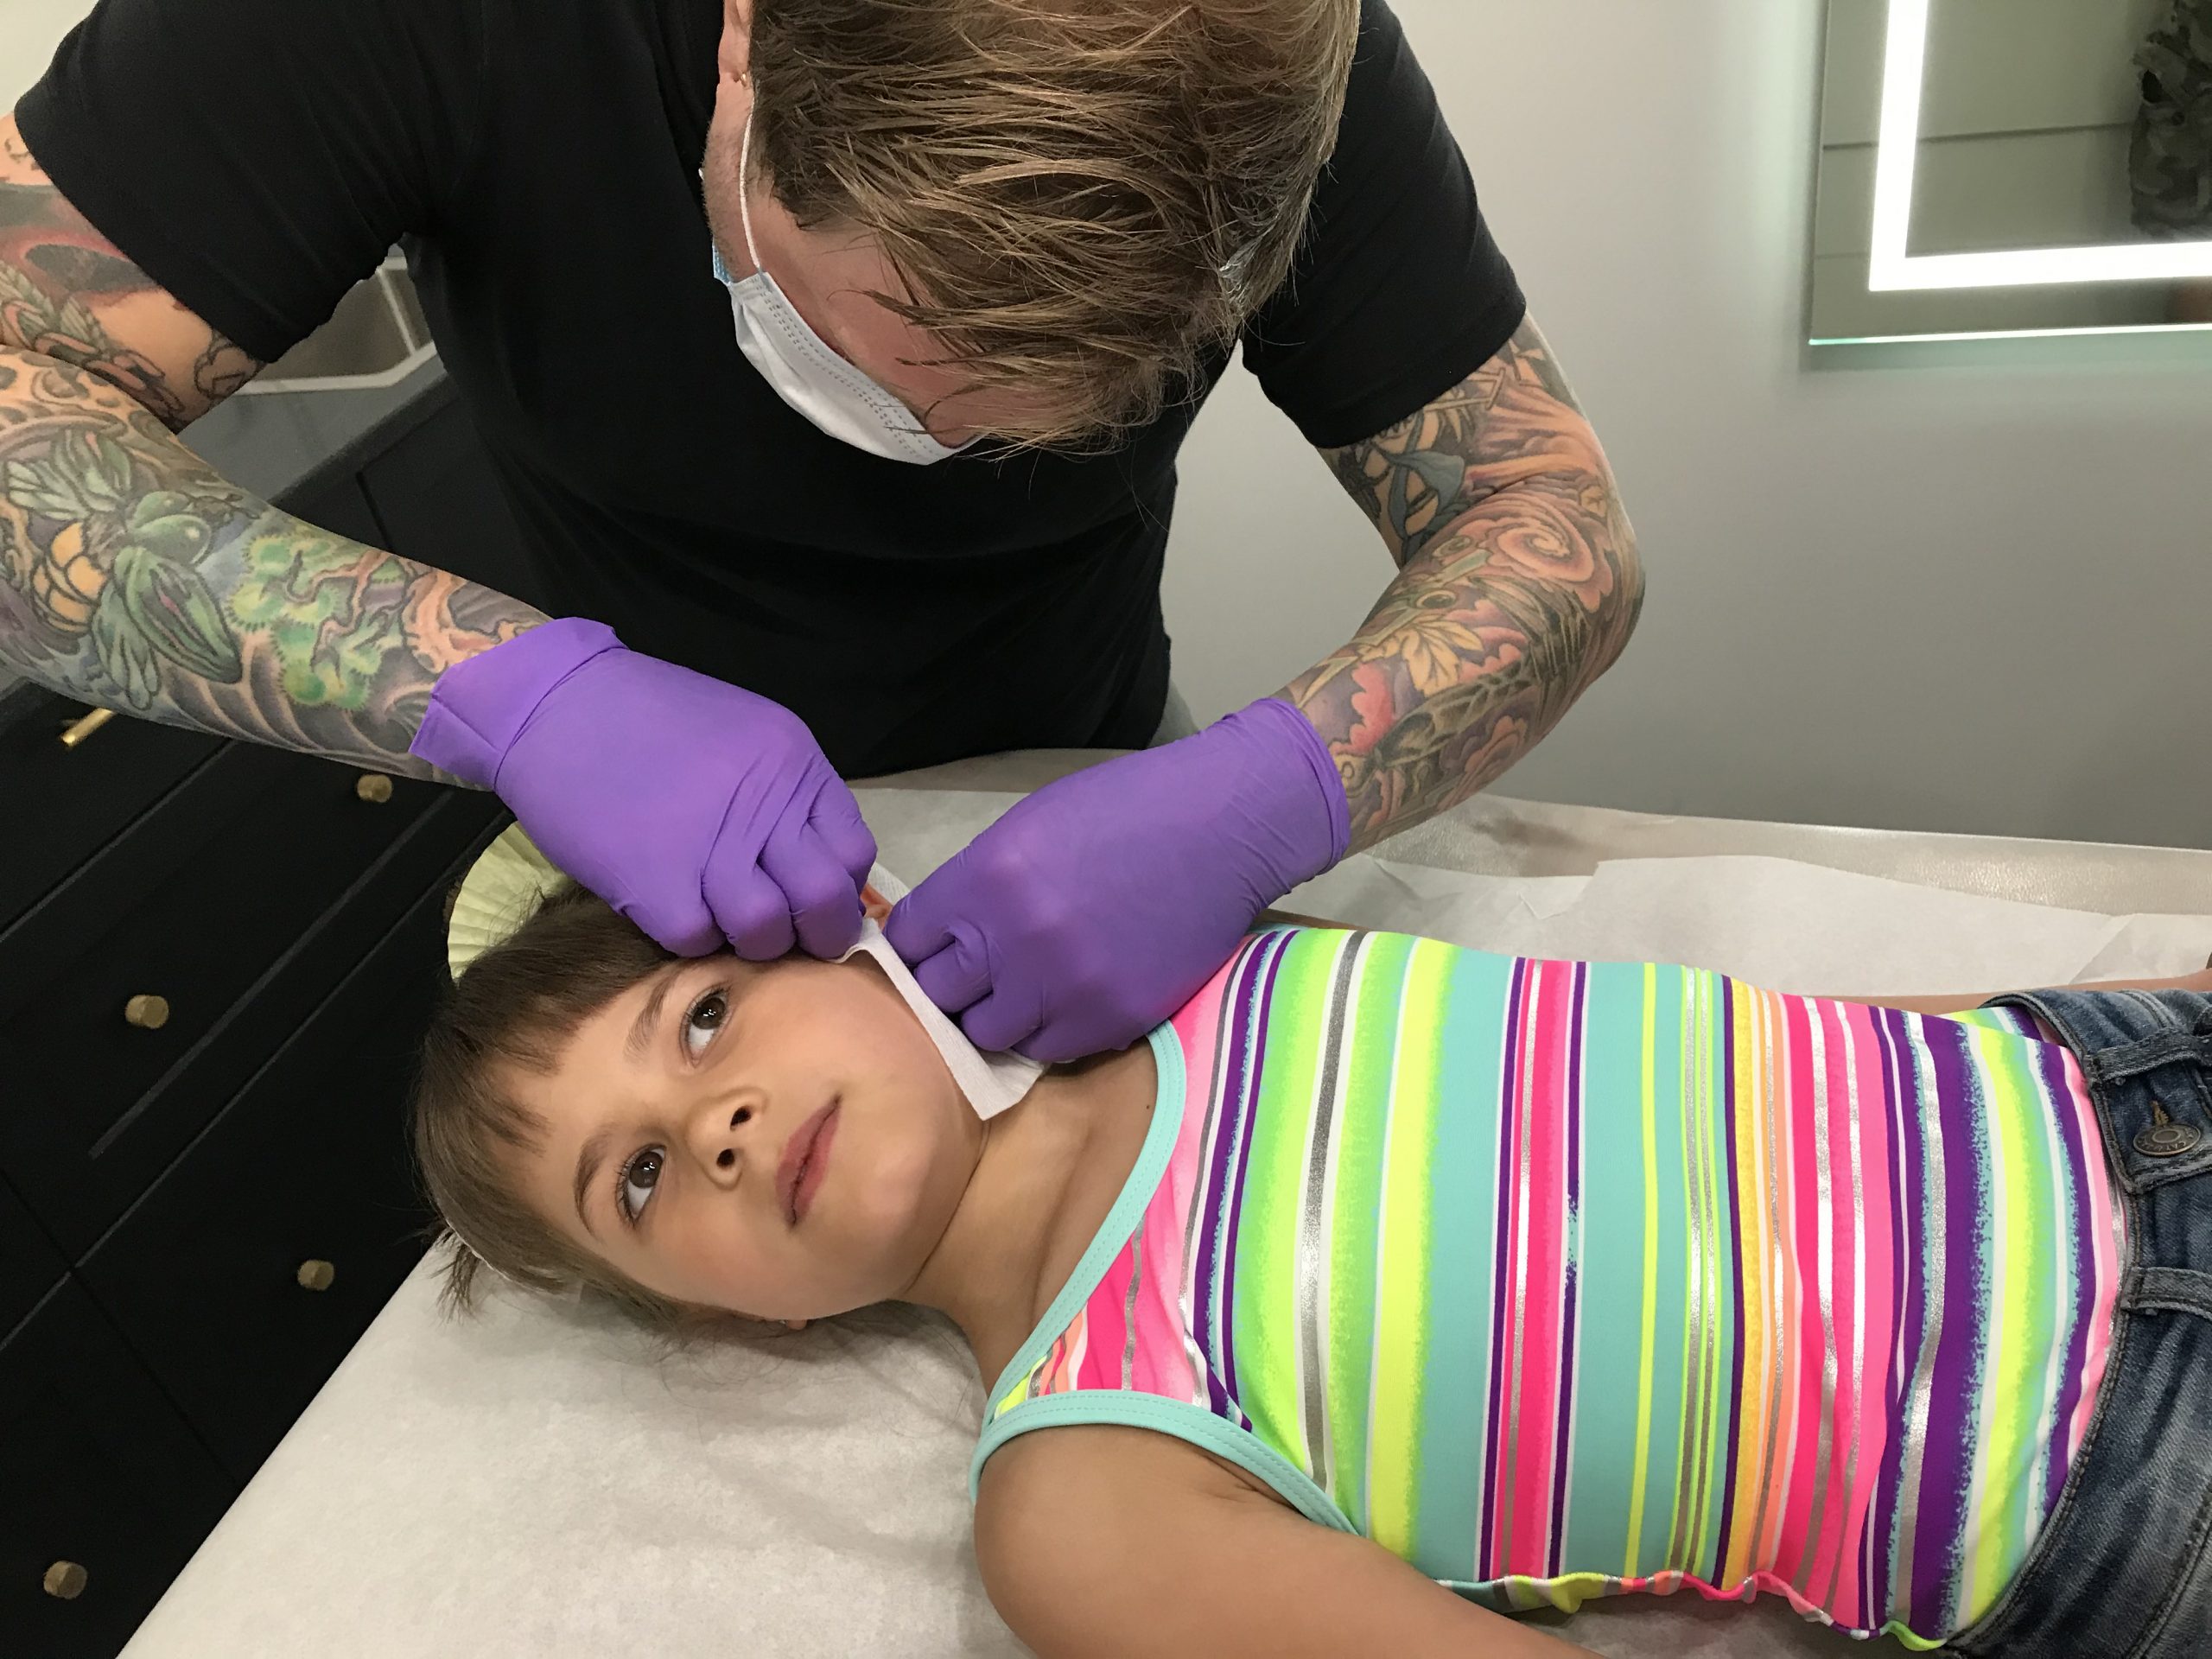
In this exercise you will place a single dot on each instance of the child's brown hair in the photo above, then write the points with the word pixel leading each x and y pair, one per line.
pixel 512 1009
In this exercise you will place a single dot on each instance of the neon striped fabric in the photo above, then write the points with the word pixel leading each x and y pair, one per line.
pixel 1558 1278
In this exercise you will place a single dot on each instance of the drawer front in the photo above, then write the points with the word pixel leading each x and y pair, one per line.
pixel 30 1265
pixel 102 1477
pixel 250 1269
pixel 62 803
pixel 237 903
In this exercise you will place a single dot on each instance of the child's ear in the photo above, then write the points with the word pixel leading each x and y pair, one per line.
pixel 790 1327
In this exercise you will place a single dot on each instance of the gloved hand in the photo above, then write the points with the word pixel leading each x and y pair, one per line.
pixel 1098 906
pixel 699 811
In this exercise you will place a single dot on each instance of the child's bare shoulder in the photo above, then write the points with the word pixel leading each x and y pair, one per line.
pixel 1032 1477
pixel 1102 1542
pixel 1067 1518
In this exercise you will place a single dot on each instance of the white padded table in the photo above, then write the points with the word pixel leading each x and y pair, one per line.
pixel 1495 835
pixel 540 1482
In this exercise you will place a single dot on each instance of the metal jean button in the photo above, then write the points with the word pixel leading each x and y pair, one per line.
pixel 2164 1138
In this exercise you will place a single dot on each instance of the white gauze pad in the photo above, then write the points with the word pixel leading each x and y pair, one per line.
pixel 991 1082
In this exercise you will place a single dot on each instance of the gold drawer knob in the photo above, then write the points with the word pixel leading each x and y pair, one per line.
pixel 78 730
pixel 373 787
pixel 316 1274
pixel 66 1579
pixel 147 1013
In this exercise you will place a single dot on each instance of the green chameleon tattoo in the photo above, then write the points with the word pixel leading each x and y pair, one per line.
pixel 133 576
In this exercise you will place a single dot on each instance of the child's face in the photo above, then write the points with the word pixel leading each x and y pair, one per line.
pixel 784 1137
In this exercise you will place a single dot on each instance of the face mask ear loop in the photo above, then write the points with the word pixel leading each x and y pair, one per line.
pixel 744 189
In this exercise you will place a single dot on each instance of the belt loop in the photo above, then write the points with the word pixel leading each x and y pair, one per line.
pixel 2167 1290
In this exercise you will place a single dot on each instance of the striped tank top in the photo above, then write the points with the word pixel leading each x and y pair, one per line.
pixel 1560 1278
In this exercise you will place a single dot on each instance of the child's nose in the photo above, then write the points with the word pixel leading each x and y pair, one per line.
pixel 723 1132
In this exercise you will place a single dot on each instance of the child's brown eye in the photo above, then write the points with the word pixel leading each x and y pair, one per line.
pixel 706 1018
pixel 634 1184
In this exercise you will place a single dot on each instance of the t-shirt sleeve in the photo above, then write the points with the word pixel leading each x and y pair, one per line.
pixel 1399 293
pixel 257 157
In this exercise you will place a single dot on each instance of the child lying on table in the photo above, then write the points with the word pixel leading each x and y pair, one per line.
pixel 1392 1287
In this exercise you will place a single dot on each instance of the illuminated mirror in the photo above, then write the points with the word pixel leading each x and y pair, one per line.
pixel 2014 167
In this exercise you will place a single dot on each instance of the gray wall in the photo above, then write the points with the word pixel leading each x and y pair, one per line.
pixel 1963 588
pixel 29 30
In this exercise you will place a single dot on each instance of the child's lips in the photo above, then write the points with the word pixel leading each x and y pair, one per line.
pixel 805 1160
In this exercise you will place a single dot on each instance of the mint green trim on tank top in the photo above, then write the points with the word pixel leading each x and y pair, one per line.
pixel 1177 1418
pixel 1121 1221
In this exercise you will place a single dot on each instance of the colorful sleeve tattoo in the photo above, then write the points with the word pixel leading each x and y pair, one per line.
pixel 1518 585
pixel 134 576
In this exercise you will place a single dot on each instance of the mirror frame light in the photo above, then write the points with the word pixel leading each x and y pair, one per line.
pixel 1895 147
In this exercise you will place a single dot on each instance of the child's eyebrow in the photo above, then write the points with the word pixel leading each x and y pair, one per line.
pixel 641 1036
pixel 641 1031
pixel 588 1163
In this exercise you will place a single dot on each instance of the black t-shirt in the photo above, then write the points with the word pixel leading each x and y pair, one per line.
pixel 538 160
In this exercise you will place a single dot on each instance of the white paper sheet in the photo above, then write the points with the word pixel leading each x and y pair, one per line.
pixel 536 1484
pixel 1782 925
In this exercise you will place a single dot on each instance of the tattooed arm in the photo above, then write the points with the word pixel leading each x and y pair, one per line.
pixel 1518 585
pixel 133 576
pixel 68 293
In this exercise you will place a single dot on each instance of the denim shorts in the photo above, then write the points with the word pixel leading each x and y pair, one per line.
pixel 2123 1567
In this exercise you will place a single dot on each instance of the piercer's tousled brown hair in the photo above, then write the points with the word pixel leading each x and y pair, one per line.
pixel 1083 197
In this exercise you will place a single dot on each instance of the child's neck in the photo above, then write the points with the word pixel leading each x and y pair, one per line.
pixel 1049 1170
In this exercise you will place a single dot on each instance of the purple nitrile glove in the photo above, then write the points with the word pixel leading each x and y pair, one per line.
pixel 699 811
pixel 1098 906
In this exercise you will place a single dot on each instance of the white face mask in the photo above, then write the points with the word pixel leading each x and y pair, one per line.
pixel 806 374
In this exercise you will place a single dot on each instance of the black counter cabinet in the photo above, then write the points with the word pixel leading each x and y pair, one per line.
pixel 216 960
